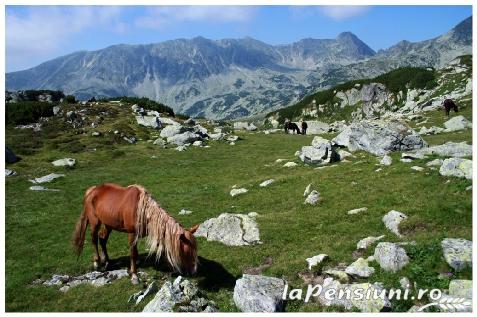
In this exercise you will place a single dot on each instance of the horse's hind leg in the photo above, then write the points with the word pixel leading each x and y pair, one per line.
pixel 103 240
pixel 134 254
pixel 94 225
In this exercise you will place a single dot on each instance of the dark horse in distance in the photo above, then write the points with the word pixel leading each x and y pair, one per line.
pixel 132 210
pixel 448 105
pixel 291 126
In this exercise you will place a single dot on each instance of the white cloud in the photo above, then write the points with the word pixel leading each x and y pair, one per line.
pixel 38 32
pixel 341 12
pixel 166 16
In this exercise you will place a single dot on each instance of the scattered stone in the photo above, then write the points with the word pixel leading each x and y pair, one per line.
pixel 160 142
pixel 290 164
pixel 405 283
pixel 392 220
pixel 457 123
pixel 182 296
pixel 40 188
pixel 266 183
pixel 9 173
pixel 366 242
pixel 96 133
pixel 312 198
pixel 413 156
pixel 431 130
pixel 357 210
pixel 308 190
pixel 461 288
pixel 321 151
pixel 230 229
pixel 340 275
pixel 468 187
pixel 456 167
pixel 185 212
pixel 258 293
pixel 237 191
pixel 149 121
pixel 173 129
pixel 184 138
pixel 280 160
pixel 232 138
pixel 240 125
pixel 457 253
pixel 64 162
pixel 436 162
pixel 197 143
pixel 406 160
pixel 359 268
pixel 452 149
pixel 130 140
pixel 379 170
pixel 190 121
pixel 315 260
pixel 181 148
pixel 386 160
pixel 46 179
pixel 417 168
pixel 379 137
pixel 390 256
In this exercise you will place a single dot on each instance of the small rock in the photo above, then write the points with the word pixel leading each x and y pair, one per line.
pixel 405 283
pixel 359 268
pixel 266 183
pixel 436 162
pixel 392 220
pixel 456 167
pixel 417 168
pixel 366 242
pixel 64 162
pixel 390 256
pixel 96 133
pixel 185 212
pixel 315 260
pixel 386 160
pixel 340 275
pixel 357 210
pixel 237 191
pixel 457 253
pixel 312 198
pixel 9 173
pixel 160 142
pixel 290 164
pixel 46 179
pixel 308 190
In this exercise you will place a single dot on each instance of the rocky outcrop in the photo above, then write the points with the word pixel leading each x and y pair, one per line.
pixel 149 121
pixel 453 149
pixel 456 167
pixel 180 296
pixel 230 229
pixel 258 293
pixel 379 137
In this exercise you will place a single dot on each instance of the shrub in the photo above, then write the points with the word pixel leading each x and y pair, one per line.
pixel 70 99
pixel 26 112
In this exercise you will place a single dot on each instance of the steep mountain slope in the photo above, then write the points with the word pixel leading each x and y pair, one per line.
pixel 231 78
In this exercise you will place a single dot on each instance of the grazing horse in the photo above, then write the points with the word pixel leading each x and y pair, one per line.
pixel 292 126
pixel 448 105
pixel 132 210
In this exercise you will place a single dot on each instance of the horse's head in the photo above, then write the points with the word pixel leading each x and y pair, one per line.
pixel 188 251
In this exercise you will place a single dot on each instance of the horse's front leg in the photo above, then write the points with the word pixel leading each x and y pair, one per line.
pixel 134 254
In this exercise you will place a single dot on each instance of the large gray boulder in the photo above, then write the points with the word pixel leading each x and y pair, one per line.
pixel 10 157
pixel 149 121
pixel 390 256
pixel 184 138
pixel 258 293
pixel 182 296
pixel 321 151
pixel 457 253
pixel 230 229
pixel 456 167
pixel 457 123
pixel 379 137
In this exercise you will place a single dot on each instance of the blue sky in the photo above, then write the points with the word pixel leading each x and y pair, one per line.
pixel 35 34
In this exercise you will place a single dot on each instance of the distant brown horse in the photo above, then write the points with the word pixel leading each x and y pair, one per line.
pixel 132 210
pixel 448 105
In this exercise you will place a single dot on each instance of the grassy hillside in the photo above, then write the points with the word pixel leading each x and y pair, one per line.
pixel 38 225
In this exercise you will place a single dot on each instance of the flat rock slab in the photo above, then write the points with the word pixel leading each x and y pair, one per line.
pixel 64 162
pixel 359 268
pixel 266 183
pixel 452 149
pixel 366 242
pixel 47 178
pixel 181 295
pixel 94 278
pixel 356 211
pixel 392 220
pixel 457 253
pixel 258 293
pixel 390 256
pixel 237 191
pixel 290 164
pixel 41 188
pixel 230 229
pixel 456 167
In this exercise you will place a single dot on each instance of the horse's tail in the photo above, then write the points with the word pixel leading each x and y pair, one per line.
pixel 82 223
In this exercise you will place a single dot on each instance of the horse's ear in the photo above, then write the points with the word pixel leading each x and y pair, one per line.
pixel 194 228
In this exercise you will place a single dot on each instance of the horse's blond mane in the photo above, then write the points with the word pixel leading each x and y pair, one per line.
pixel 161 229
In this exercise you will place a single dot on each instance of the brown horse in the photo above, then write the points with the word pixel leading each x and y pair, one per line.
pixel 134 211
pixel 448 105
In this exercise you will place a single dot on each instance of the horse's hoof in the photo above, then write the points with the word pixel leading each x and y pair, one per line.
pixel 135 280
pixel 96 265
